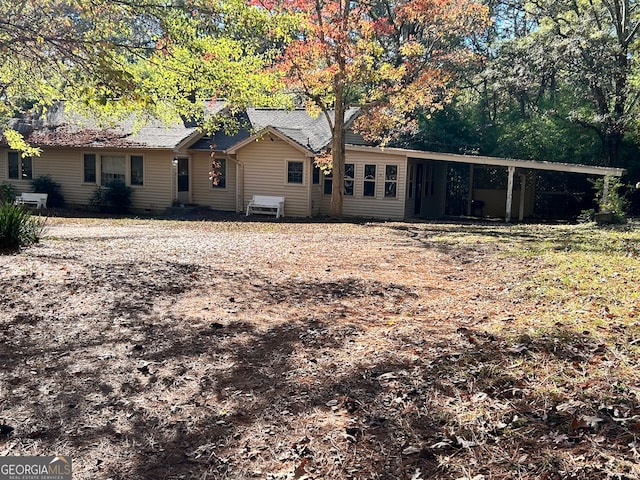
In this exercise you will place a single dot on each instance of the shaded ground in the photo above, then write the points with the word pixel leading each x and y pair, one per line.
pixel 150 349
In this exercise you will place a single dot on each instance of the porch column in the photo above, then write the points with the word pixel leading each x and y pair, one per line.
pixel 512 171
pixel 470 195
pixel 239 184
pixel 605 189
pixel 523 191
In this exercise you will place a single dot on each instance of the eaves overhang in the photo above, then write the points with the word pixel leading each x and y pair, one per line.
pixel 495 161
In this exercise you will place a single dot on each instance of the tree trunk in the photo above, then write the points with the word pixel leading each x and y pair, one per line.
pixel 338 151
pixel 611 144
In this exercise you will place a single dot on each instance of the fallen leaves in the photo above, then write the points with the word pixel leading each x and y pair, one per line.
pixel 235 368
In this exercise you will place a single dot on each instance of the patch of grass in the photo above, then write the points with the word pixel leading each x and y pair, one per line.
pixel 570 353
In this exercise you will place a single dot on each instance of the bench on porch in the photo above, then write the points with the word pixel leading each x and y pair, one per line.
pixel 37 199
pixel 266 204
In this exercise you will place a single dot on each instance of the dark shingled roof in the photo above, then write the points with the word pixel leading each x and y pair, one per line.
pixel 59 128
pixel 309 132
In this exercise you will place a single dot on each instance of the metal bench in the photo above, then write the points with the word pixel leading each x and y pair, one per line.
pixel 266 204
pixel 37 199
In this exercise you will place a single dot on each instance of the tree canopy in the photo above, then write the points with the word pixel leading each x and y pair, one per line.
pixel 551 80
pixel 110 58
pixel 558 80
pixel 391 58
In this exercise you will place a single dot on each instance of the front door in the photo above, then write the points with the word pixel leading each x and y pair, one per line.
pixel 183 180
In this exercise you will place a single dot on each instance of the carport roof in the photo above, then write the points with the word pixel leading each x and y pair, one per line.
pixel 495 161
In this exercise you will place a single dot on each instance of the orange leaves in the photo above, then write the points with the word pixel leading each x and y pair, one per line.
pixel 450 16
pixel 392 61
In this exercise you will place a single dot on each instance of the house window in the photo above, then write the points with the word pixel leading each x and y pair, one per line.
pixel 349 174
pixel 349 171
pixel 219 173
pixel 20 168
pixel 14 165
pixel 328 183
pixel 369 181
pixel 294 172
pixel 112 168
pixel 316 174
pixel 137 170
pixel 89 167
pixel 391 181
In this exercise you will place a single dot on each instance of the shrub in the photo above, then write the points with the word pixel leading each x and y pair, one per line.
pixel 614 203
pixel 18 228
pixel 113 197
pixel 45 184
pixel 7 193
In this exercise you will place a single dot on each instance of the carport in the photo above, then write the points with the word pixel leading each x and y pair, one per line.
pixel 514 168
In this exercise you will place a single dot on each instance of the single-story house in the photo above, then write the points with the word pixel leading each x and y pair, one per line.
pixel 273 154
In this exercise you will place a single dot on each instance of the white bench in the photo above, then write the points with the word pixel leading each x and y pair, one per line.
pixel 37 199
pixel 266 204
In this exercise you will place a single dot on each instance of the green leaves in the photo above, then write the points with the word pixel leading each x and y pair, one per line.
pixel 109 59
pixel 574 61
pixel 16 142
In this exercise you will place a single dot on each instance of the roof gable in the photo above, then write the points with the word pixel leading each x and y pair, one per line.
pixel 270 131
pixel 294 126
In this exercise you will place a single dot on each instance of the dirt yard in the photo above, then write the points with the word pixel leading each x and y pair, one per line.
pixel 151 349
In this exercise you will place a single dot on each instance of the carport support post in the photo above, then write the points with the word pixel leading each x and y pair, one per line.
pixel 470 196
pixel 605 189
pixel 523 191
pixel 512 171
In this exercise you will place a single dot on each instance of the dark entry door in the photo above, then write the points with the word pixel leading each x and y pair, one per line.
pixel 183 180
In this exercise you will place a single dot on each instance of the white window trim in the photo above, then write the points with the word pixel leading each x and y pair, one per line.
pixel 127 173
pixel 144 170
pixel 374 181
pixel 84 154
pixel 352 179
pixel 19 179
pixel 286 173
pixel 385 181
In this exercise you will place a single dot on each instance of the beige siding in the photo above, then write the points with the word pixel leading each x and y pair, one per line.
pixel 202 192
pixel 65 166
pixel 155 194
pixel 265 173
pixel 316 198
pixel 378 206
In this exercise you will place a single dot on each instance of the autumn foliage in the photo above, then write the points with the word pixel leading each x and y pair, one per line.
pixel 391 58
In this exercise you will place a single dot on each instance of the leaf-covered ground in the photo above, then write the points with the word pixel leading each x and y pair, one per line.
pixel 227 349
